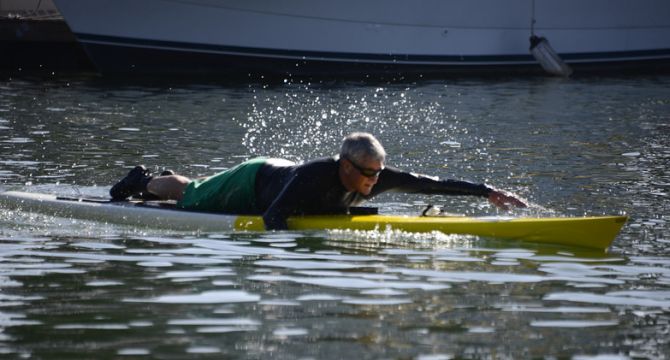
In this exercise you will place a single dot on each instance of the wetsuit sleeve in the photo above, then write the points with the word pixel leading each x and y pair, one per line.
pixel 283 205
pixel 392 179
pixel 310 188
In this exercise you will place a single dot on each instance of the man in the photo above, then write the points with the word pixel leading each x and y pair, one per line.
pixel 279 188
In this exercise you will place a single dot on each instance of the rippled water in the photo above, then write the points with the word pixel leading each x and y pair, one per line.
pixel 79 290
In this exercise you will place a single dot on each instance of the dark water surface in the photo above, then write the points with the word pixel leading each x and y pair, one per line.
pixel 72 289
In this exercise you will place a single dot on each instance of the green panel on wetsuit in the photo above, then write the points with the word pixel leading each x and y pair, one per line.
pixel 230 191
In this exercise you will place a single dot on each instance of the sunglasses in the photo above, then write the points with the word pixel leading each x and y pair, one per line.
pixel 371 173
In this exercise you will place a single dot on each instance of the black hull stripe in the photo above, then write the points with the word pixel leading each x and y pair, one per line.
pixel 100 40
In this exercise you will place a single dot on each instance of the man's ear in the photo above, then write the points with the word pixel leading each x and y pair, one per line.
pixel 348 168
pixel 344 163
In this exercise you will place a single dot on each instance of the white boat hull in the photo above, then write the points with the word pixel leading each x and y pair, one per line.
pixel 300 36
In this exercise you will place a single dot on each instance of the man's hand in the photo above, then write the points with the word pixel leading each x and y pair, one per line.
pixel 503 200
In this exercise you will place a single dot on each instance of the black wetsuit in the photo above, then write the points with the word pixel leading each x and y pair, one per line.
pixel 315 188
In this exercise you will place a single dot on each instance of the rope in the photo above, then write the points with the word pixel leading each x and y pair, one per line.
pixel 532 18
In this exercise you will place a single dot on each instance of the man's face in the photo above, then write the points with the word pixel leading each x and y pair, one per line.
pixel 364 175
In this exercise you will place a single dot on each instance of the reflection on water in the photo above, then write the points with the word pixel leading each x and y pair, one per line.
pixel 186 292
pixel 79 289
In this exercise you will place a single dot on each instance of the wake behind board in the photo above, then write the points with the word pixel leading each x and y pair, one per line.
pixel 590 232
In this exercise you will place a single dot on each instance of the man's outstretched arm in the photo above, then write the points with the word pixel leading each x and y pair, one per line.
pixel 392 179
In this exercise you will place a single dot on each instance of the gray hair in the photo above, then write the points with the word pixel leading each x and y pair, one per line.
pixel 360 146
